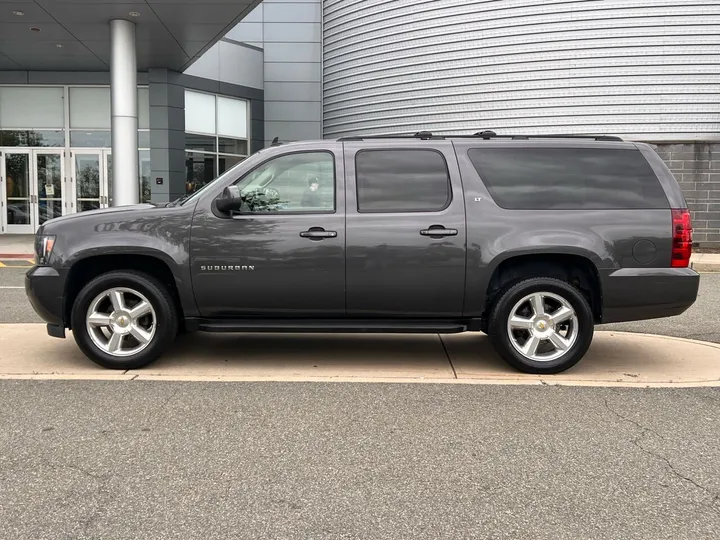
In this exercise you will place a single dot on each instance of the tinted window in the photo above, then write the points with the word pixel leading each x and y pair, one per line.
pixel 568 178
pixel 303 182
pixel 401 181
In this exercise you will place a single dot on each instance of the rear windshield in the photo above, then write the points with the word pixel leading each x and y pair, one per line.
pixel 568 178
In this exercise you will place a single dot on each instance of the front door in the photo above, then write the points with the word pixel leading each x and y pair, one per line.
pixel 405 230
pixel 33 189
pixel 89 180
pixel 283 253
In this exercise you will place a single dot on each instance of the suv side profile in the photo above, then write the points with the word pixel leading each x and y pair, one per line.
pixel 531 239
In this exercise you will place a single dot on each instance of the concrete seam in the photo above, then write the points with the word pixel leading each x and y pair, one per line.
pixel 447 354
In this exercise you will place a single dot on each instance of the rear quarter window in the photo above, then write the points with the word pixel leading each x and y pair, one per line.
pixel 568 178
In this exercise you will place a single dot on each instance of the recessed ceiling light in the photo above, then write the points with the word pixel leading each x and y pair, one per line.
pixel 34 29
pixel 59 45
pixel 18 13
pixel 134 14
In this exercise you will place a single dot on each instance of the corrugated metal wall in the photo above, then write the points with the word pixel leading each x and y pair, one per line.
pixel 643 69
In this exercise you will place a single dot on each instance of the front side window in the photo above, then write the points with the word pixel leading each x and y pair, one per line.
pixel 303 182
pixel 402 181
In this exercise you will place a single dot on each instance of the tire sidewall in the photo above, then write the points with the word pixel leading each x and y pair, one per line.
pixel 513 295
pixel 166 320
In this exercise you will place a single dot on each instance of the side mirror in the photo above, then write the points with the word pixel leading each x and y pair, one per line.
pixel 229 200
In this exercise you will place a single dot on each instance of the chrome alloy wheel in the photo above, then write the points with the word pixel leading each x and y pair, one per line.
pixel 542 326
pixel 121 321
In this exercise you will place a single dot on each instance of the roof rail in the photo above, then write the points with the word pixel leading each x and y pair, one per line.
pixel 486 135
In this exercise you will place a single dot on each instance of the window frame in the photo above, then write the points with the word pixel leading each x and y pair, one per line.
pixel 238 214
pixel 391 211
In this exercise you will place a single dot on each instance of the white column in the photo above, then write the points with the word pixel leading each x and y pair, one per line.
pixel 123 92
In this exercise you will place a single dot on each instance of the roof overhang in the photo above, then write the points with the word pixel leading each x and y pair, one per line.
pixel 74 35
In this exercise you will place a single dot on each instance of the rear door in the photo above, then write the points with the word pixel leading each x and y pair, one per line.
pixel 405 229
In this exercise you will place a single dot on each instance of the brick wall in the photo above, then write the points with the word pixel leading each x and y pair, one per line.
pixel 696 167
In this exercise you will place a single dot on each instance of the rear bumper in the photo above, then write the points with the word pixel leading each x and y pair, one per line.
pixel 44 287
pixel 633 294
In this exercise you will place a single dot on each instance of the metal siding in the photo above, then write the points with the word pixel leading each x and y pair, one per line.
pixel 639 69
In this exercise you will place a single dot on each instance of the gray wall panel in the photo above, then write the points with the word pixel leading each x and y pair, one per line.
pixel 646 70
pixel 283 32
pixel 307 111
pixel 292 52
pixel 292 71
pixel 288 91
pixel 292 131
pixel 293 12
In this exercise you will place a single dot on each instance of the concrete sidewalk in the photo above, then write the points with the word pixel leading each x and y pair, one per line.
pixel 615 359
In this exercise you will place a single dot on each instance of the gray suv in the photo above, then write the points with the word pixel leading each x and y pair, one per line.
pixel 531 239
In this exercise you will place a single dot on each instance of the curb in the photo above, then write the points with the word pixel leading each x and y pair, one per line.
pixel 705 267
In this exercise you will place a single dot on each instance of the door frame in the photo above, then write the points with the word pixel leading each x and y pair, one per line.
pixel 35 206
pixel 103 195
pixel 33 194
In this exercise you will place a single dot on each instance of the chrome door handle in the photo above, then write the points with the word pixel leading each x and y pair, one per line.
pixel 437 231
pixel 318 233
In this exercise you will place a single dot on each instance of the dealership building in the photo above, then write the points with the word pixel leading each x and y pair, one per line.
pixel 106 102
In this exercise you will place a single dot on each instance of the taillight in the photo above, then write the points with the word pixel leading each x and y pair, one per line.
pixel 682 238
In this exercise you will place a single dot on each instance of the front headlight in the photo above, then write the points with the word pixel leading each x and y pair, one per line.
pixel 44 248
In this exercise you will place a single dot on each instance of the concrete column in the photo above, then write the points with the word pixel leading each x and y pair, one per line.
pixel 123 92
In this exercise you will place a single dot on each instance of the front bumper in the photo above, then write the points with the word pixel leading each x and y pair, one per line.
pixel 633 294
pixel 45 288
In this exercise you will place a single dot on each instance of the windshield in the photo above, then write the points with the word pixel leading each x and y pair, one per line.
pixel 187 199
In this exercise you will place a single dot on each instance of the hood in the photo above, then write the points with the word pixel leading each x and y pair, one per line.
pixel 102 211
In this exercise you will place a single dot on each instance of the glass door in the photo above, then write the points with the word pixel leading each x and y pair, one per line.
pixel 17 197
pixel 48 183
pixel 90 187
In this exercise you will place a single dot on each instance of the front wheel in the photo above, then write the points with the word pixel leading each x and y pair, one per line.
pixel 124 319
pixel 542 325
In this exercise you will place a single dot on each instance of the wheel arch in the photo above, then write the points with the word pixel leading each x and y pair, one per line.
pixel 84 269
pixel 576 269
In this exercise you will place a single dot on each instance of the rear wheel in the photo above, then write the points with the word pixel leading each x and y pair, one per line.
pixel 542 325
pixel 124 319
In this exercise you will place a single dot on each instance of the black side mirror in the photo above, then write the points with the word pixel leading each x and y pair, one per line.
pixel 229 200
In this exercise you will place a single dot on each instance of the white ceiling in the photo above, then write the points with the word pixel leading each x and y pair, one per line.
pixel 170 33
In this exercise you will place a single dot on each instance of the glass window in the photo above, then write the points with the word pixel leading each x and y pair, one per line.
pixel 90 108
pixel 199 112
pixel 31 108
pixel 200 143
pixel 143 104
pixel 145 174
pixel 402 181
pixel 143 139
pixel 291 183
pixel 568 178
pixel 232 146
pixel 232 117
pixel 45 138
pixel 199 170
pixel 90 139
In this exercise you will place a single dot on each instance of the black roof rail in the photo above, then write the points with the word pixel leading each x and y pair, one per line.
pixel 486 135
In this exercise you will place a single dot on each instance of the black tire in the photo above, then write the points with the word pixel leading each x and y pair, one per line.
pixel 501 312
pixel 166 325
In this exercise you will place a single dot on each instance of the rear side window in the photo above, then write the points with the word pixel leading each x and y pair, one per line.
pixel 568 178
pixel 401 181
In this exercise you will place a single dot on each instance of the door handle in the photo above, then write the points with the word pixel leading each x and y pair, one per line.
pixel 318 233
pixel 438 231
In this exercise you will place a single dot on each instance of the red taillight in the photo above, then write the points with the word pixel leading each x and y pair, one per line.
pixel 682 238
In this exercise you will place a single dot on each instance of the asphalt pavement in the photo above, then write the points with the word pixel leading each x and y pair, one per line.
pixel 88 459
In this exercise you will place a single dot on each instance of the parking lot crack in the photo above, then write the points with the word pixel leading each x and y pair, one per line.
pixel 637 442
